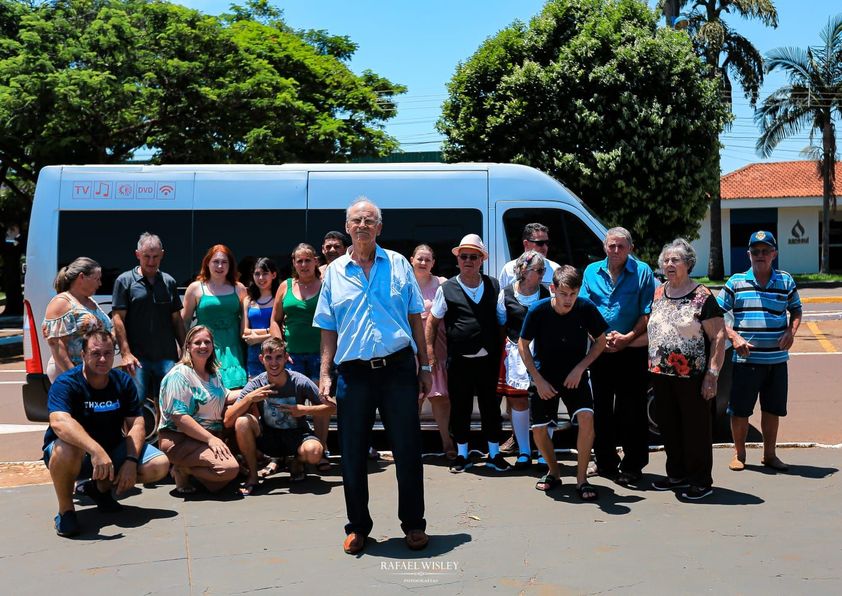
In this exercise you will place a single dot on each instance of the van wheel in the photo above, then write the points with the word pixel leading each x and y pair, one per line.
pixel 151 418
pixel 651 412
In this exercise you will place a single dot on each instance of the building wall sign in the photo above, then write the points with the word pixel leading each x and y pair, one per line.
pixel 798 235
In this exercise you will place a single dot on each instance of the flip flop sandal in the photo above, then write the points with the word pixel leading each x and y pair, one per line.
pixel 588 489
pixel 775 464
pixel 249 488
pixel 547 482
pixel 273 467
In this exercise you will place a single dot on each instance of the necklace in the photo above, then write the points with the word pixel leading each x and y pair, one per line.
pixel 267 301
pixel 472 292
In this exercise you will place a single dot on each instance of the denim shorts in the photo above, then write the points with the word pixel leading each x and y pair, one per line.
pixel 117 455
pixel 769 381
pixel 306 364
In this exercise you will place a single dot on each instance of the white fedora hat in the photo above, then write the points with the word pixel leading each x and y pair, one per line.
pixel 473 242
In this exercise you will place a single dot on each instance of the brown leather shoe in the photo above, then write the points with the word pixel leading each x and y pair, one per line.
pixel 417 539
pixel 354 543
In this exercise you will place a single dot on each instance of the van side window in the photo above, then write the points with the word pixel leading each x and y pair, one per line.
pixel 571 241
pixel 404 229
pixel 110 238
pixel 251 234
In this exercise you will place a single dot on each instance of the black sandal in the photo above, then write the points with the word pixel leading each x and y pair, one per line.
pixel 547 482
pixel 588 489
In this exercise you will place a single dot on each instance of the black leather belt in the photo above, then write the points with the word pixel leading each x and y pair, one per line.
pixel 383 362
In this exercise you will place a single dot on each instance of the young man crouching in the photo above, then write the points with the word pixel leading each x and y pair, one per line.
pixel 560 327
pixel 270 415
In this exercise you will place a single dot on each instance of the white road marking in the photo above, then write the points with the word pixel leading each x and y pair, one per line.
pixel 815 353
pixel 16 370
pixel 12 382
pixel 8 429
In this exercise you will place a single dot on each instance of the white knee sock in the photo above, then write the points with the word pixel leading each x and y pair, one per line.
pixel 520 425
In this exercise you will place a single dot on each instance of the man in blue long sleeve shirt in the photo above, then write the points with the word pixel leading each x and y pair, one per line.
pixel 622 288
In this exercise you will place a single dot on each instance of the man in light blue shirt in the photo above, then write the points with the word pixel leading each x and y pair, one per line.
pixel 760 299
pixel 622 289
pixel 369 311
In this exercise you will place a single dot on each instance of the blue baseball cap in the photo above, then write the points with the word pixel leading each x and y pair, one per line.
pixel 763 237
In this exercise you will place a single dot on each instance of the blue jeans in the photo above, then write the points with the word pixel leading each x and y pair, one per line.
pixel 393 390
pixel 306 364
pixel 148 376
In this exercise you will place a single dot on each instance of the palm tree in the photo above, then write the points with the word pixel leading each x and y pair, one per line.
pixel 812 97
pixel 727 54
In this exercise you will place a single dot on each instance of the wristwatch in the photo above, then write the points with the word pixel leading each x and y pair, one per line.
pixel 714 372
pixel 427 368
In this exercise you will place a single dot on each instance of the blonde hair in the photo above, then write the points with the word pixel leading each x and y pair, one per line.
pixel 212 365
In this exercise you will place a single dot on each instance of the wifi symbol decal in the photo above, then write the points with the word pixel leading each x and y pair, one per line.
pixel 166 190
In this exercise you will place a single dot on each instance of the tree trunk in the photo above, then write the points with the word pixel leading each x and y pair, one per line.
pixel 716 268
pixel 828 167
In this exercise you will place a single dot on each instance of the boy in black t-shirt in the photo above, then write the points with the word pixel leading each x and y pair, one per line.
pixel 562 327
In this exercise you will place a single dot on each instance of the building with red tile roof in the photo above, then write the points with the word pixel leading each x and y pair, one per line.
pixel 784 198
pixel 776 180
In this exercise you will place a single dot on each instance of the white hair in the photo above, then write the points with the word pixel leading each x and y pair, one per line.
pixel 149 238
pixel 362 199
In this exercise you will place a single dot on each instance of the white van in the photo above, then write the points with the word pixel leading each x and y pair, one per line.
pixel 99 212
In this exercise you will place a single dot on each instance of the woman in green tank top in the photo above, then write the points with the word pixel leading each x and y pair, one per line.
pixel 292 318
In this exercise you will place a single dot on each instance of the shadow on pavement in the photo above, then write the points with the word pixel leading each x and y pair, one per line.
pixel 93 522
pixel 724 496
pixel 804 471
pixel 395 548
pixel 609 501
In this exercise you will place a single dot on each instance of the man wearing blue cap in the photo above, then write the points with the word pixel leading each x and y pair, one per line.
pixel 762 336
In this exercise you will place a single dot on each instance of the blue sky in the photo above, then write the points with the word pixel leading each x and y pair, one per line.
pixel 419 44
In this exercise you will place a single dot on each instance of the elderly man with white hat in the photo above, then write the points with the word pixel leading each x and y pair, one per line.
pixel 467 304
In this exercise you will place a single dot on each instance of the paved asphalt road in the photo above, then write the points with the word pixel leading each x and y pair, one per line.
pixel 759 532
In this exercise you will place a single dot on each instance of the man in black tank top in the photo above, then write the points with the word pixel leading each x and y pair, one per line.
pixel 467 304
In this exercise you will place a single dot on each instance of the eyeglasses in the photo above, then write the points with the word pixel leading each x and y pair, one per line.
pixel 761 252
pixel 364 222
pixel 673 260
pixel 538 271
pixel 538 242
pixel 470 257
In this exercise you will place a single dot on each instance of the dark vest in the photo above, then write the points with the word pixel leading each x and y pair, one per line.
pixel 470 326
pixel 516 312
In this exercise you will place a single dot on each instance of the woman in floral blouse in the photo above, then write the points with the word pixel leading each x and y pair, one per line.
pixel 193 401
pixel 686 351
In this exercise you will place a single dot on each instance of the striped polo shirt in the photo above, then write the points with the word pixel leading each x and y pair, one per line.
pixel 760 313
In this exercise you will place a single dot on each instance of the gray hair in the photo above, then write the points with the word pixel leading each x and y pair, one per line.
pixel 530 258
pixel 68 274
pixel 683 249
pixel 360 200
pixel 622 233
pixel 149 238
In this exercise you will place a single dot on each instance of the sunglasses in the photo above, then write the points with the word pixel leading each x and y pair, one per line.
pixel 538 242
pixel 470 257
pixel 761 252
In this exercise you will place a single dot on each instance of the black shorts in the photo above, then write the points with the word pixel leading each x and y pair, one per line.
pixel 282 442
pixel 545 411
pixel 769 381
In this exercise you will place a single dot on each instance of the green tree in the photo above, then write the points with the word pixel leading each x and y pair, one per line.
pixel 727 55
pixel 593 93
pixel 811 99
pixel 95 81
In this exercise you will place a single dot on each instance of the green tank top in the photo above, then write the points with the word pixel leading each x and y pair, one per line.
pixel 300 335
